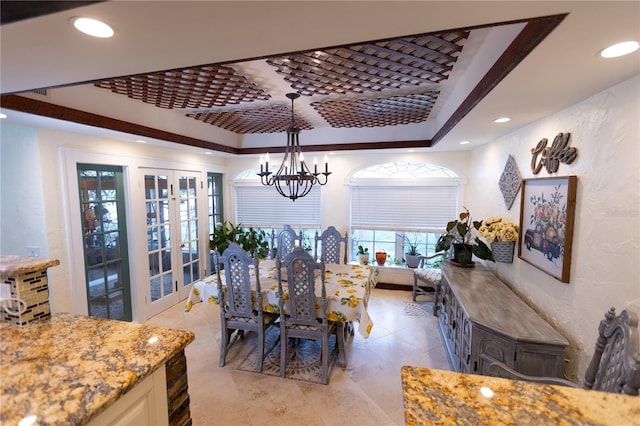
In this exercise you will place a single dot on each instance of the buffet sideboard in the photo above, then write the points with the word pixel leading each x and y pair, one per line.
pixel 481 319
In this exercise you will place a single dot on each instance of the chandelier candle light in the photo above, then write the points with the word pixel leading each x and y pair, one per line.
pixel 293 179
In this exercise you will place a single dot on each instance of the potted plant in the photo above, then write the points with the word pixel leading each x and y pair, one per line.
pixel 411 253
pixel 254 241
pixel 363 255
pixel 224 233
pixel 502 235
pixel 461 235
pixel 381 257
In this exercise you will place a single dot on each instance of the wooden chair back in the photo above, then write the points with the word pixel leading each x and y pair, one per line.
pixel 331 245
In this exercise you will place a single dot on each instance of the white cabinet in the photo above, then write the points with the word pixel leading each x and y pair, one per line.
pixel 144 405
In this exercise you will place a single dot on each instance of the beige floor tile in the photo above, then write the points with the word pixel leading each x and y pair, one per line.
pixel 367 392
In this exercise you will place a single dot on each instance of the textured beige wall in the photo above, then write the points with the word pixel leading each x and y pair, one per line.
pixel 605 271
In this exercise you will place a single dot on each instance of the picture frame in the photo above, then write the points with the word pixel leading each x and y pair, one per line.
pixel 547 213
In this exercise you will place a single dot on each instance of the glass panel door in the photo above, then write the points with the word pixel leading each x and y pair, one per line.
pixel 189 242
pixel 105 241
pixel 171 205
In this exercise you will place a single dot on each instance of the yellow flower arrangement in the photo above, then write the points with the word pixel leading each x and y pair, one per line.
pixel 496 229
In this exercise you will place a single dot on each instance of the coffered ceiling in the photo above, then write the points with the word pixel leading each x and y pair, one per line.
pixel 370 75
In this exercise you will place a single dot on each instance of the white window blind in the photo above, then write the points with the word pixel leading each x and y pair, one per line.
pixel 262 206
pixel 426 208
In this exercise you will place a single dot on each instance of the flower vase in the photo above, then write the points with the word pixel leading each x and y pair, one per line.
pixel 381 257
pixel 363 258
pixel 503 251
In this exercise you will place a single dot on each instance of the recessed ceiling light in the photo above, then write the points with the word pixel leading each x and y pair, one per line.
pixel 93 27
pixel 208 153
pixel 411 150
pixel 464 142
pixel 3 115
pixel 620 49
pixel 502 120
pixel 141 141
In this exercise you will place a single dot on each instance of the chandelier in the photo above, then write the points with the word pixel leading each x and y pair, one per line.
pixel 293 179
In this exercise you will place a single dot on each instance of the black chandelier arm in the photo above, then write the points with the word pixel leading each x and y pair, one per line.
pixel 319 181
pixel 293 179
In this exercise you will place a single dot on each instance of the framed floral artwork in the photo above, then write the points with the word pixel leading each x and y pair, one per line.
pixel 546 224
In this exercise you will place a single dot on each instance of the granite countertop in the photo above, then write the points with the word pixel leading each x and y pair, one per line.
pixel 18 265
pixel 445 397
pixel 68 369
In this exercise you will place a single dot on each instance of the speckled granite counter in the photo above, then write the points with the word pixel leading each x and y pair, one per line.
pixel 445 397
pixel 68 369
pixel 25 279
pixel 17 265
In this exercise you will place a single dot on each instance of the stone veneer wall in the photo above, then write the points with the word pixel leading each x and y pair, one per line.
pixel 33 289
pixel 177 390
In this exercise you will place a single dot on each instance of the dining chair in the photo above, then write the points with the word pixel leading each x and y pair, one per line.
pixel 304 319
pixel 330 248
pixel 285 241
pixel 426 275
pixel 615 365
pixel 237 312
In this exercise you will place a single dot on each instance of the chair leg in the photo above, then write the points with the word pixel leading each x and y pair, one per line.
pixel 283 351
pixel 325 358
pixel 415 285
pixel 224 342
pixel 261 332
pixel 341 337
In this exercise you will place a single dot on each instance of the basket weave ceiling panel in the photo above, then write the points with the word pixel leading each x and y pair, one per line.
pixel 196 87
pixel 413 64
pixel 390 64
pixel 272 119
pixel 378 112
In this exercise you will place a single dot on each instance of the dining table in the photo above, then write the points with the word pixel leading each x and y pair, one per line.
pixel 347 286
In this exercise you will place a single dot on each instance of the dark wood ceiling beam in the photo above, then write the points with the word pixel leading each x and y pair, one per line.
pixel 45 109
pixel 536 30
pixel 342 147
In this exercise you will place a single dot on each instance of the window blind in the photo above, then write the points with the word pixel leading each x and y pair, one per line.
pixel 424 208
pixel 262 206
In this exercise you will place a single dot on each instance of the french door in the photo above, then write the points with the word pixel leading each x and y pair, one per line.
pixel 102 210
pixel 175 258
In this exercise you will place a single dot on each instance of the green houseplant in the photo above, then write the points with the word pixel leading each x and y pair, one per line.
pixel 461 234
pixel 411 252
pixel 363 254
pixel 253 240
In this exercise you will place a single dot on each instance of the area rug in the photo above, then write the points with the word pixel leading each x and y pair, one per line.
pixel 415 309
pixel 304 358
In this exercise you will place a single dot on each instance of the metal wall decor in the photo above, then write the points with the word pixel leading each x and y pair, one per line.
pixel 293 179
pixel 510 182
pixel 551 157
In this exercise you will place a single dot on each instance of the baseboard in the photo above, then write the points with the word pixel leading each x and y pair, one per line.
pixel 391 286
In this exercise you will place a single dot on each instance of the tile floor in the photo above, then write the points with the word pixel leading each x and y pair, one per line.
pixel 367 392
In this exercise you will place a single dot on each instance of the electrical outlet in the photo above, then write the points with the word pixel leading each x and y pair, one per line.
pixel 33 251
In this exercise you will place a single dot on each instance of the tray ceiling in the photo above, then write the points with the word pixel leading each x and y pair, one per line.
pixel 405 91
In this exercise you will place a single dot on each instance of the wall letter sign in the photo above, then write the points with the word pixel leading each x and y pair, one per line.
pixel 551 157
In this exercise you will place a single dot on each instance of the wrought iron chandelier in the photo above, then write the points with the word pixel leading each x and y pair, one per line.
pixel 293 179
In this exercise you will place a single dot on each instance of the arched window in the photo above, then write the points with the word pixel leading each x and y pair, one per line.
pixel 401 203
